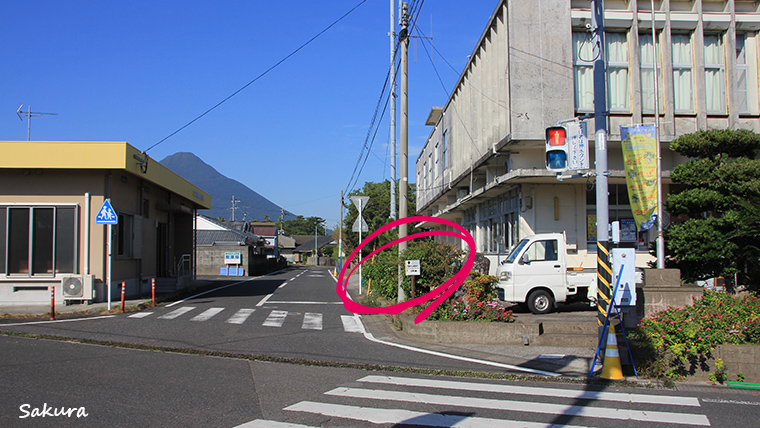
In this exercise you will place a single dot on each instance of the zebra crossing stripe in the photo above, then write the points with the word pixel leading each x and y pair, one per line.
pixel 401 416
pixel 275 319
pixel 176 313
pixel 351 324
pixel 141 315
pixel 207 314
pixel 312 321
pixel 526 390
pixel 523 406
pixel 240 316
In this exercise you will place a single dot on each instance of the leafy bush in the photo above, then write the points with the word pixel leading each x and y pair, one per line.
pixel 682 339
pixel 479 304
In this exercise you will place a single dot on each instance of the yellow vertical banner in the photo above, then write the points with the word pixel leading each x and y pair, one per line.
pixel 640 157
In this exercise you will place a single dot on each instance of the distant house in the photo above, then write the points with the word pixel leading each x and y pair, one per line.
pixel 51 194
pixel 267 230
pixel 222 245
pixel 303 250
pixel 287 245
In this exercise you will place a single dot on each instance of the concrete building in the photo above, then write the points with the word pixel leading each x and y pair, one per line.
pixel 483 163
pixel 225 245
pixel 50 196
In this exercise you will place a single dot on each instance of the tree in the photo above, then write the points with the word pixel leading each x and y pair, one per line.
pixel 304 226
pixel 715 230
pixel 377 214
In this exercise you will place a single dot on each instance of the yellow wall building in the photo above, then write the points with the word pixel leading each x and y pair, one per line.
pixel 50 195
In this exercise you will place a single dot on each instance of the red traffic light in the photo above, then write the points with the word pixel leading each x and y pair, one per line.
pixel 556 136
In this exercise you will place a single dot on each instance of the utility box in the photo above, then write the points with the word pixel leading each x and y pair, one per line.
pixel 624 258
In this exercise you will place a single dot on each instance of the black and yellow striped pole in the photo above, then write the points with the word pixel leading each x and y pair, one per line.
pixel 603 281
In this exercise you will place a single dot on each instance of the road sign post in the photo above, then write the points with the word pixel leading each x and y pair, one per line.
pixel 361 225
pixel 413 270
pixel 107 215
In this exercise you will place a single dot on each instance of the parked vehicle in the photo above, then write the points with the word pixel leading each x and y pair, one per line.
pixel 536 274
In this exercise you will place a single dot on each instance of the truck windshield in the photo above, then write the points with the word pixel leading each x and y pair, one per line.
pixel 513 255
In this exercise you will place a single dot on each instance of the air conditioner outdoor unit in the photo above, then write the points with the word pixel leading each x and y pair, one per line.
pixel 77 287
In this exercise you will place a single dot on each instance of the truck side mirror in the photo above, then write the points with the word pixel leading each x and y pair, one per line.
pixel 525 259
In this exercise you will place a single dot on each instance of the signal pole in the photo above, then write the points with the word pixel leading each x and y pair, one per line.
pixel 404 184
pixel 603 271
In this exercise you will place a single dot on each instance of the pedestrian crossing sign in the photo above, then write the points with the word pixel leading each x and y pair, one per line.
pixel 106 214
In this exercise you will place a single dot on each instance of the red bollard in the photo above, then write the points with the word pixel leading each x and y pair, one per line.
pixel 153 289
pixel 52 302
pixel 123 286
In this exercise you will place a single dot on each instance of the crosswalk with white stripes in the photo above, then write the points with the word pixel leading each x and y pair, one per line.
pixel 275 318
pixel 398 401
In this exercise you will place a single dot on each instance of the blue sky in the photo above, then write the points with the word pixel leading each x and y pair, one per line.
pixel 137 71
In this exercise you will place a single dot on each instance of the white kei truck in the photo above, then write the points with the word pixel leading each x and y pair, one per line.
pixel 536 274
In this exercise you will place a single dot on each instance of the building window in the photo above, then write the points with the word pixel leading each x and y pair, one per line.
pixel 122 241
pixel 445 150
pixel 38 240
pixel 618 86
pixel 430 171
pixel 649 61
pixel 683 81
pixel 618 91
pixel 437 170
pixel 715 74
pixel 742 93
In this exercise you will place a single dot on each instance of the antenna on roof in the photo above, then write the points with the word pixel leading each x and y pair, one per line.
pixel 29 115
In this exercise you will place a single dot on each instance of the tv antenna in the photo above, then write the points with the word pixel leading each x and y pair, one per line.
pixel 29 115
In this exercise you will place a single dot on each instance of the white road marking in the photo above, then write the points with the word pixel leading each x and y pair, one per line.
pixel 176 313
pixel 207 314
pixel 240 316
pixel 281 302
pixel 399 416
pixel 527 390
pixel 312 321
pixel 523 406
pixel 140 315
pixel 351 324
pixel 264 300
pixel 275 319
pixel 261 423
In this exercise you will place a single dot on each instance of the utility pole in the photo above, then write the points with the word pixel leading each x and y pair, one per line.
pixel 234 207
pixel 404 185
pixel 29 115
pixel 340 237
pixel 603 271
pixel 392 35
pixel 660 241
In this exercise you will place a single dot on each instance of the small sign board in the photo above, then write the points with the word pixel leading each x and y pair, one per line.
pixel 577 134
pixel 106 214
pixel 625 259
pixel 412 267
pixel 360 201
pixel 232 257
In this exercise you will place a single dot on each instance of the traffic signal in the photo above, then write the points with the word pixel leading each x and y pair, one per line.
pixel 556 149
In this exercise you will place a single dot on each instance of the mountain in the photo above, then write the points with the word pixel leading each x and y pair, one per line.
pixel 252 206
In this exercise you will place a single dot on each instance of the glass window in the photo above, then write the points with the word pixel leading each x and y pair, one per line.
pixel 3 215
pixel 445 150
pixel 618 86
pixel 741 74
pixel 649 61
pixel 18 240
pixel 42 241
pixel 123 238
pixel 542 251
pixel 715 69
pixel 683 82
pixel 583 71
pixel 617 72
pixel 65 239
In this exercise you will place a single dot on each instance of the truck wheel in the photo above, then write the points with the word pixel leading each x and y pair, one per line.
pixel 540 302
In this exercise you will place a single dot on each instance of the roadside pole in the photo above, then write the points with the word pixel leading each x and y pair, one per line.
pixel 107 215
pixel 404 119
pixel 603 271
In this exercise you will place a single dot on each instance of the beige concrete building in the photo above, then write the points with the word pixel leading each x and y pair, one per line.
pixel 50 196
pixel 483 163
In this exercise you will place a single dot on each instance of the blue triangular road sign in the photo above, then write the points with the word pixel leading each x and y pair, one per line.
pixel 106 214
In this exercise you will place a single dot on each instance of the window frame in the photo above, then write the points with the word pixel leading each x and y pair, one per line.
pixel 712 68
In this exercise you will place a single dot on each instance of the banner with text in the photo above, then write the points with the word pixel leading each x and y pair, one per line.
pixel 640 157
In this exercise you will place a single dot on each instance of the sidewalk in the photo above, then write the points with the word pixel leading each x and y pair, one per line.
pixel 567 361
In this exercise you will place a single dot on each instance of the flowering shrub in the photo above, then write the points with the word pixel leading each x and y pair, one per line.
pixel 479 304
pixel 684 337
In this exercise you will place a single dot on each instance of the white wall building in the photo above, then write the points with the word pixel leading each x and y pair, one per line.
pixel 483 163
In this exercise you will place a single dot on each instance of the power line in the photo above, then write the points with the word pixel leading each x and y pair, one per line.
pixel 259 76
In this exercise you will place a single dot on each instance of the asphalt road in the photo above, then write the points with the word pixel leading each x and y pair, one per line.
pixel 296 318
